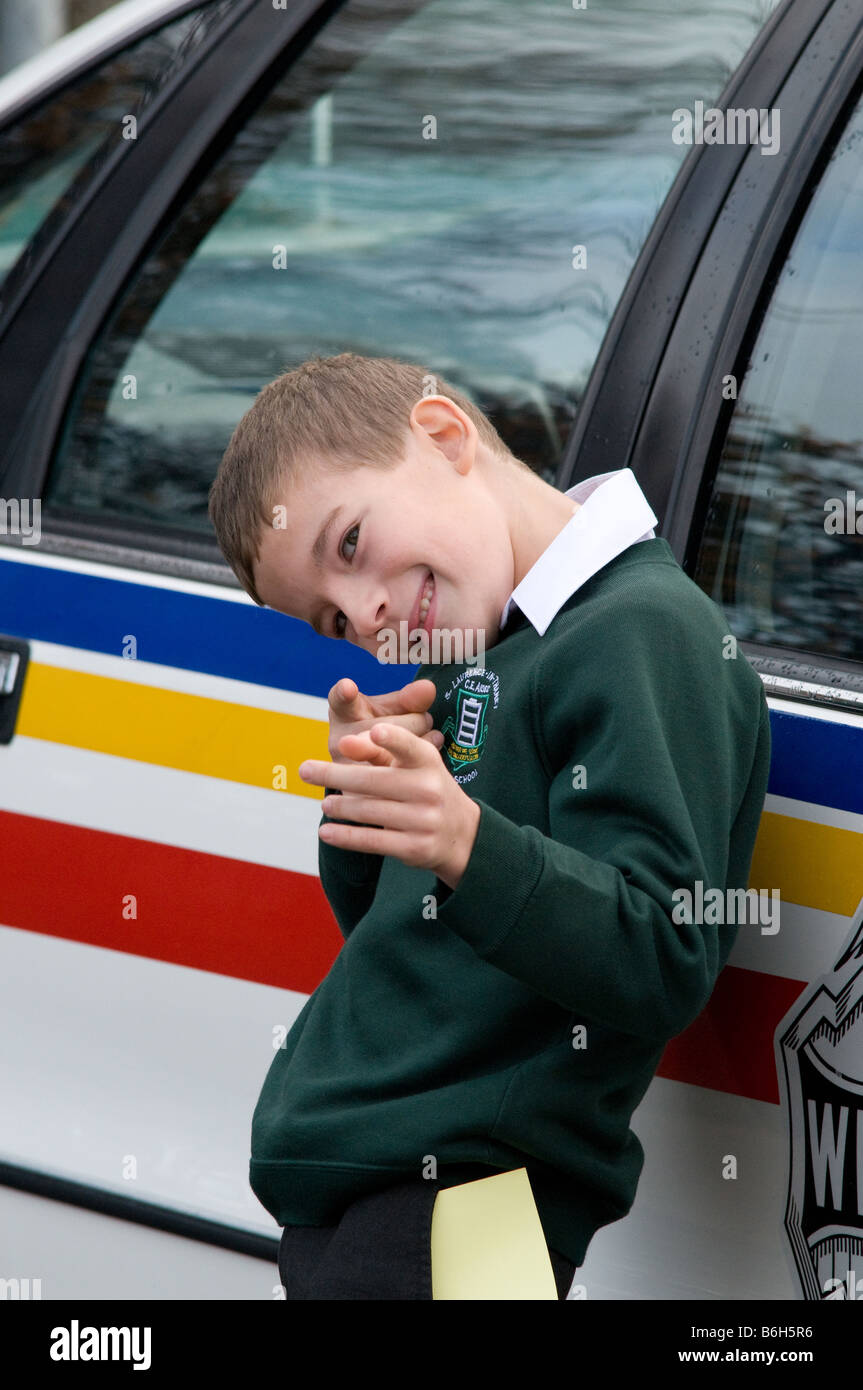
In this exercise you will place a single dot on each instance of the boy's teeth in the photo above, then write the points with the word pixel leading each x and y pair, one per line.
pixel 426 599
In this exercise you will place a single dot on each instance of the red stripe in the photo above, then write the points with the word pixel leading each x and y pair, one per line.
pixel 204 910
pixel 276 928
pixel 729 1047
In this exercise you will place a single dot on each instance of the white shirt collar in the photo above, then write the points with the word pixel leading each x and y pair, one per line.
pixel 614 514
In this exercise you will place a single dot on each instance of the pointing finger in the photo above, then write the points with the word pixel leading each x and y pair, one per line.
pixel 358 776
pixel 408 750
pixel 360 748
pixel 345 700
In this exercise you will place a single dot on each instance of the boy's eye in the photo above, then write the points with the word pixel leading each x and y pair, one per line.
pixel 354 529
pixel 340 619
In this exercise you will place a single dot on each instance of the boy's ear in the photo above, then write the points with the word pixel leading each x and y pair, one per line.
pixel 448 428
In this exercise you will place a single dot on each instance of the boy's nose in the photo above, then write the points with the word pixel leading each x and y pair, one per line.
pixel 368 618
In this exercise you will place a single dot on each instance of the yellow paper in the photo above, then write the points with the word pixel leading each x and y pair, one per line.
pixel 487 1241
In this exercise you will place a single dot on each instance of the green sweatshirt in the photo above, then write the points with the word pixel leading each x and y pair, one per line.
pixel 518 1020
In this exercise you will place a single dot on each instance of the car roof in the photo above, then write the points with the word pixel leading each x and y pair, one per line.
pixel 84 46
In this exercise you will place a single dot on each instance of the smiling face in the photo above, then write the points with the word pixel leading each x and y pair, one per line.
pixel 436 523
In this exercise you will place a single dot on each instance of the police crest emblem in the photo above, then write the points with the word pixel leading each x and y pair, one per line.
pixel 819 1059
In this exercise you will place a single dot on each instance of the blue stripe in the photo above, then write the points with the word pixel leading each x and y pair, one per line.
pixel 813 760
pixel 816 760
pixel 195 633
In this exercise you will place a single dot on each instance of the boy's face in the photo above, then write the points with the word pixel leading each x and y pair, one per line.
pixel 433 513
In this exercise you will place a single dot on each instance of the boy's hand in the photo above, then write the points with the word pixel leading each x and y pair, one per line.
pixel 351 712
pixel 409 804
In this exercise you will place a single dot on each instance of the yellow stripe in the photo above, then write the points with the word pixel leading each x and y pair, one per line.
pixel 191 732
pixel 818 866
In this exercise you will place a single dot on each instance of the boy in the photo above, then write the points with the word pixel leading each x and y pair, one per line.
pixel 502 840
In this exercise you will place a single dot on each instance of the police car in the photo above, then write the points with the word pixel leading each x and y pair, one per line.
pixel 633 238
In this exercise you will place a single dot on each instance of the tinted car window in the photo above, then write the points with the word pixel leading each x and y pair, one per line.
pixel 410 189
pixel 49 157
pixel 782 549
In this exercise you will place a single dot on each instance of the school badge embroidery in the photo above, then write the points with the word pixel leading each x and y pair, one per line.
pixel 471 696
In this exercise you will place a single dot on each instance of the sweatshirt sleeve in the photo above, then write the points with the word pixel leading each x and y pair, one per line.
pixel 349 878
pixel 649 744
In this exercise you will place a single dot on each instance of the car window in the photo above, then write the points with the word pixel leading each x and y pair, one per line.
pixel 782 548
pixel 49 157
pixel 411 188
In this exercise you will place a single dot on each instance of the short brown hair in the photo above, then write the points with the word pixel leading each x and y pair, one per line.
pixel 345 411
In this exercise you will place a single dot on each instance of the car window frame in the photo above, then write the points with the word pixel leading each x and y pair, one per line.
pixel 75 287
pixel 79 73
pixel 620 392
pixel 42 78
pixel 28 468
pixel 717 250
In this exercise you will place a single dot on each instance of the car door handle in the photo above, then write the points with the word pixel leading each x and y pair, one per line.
pixel 14 656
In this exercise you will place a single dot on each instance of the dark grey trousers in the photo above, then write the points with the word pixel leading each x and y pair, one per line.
pixel 380 1249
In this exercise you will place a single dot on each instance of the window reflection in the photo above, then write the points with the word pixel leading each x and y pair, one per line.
pixel 779 553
